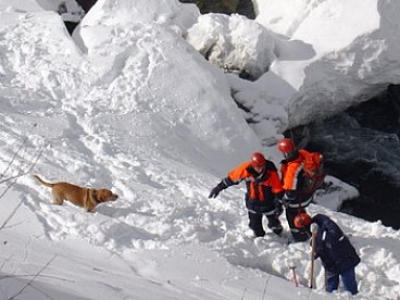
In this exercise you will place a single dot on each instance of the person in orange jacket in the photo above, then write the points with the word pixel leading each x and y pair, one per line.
pixel 263 184
pixel 296 196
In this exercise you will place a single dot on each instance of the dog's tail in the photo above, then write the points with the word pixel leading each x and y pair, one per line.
pixel 40 180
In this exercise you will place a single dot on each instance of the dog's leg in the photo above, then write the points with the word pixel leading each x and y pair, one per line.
pixel 88 206
pixel 57 199
pixel 87 203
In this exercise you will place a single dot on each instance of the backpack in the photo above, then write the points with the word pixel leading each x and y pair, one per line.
pixel 313 168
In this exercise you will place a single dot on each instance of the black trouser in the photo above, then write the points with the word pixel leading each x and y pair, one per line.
pixel 255 223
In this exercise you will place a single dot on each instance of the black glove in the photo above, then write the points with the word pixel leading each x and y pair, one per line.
pixel 279 210
pixel 215 191
pixel 279 197
pixel 278 204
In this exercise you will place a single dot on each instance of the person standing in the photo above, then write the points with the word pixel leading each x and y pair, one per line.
pixel 263 183
pixel 337 254
pixel 296 184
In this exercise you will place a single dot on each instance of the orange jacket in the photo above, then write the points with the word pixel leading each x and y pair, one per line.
pixel 293 182
pixel 290 173
pixel 260 187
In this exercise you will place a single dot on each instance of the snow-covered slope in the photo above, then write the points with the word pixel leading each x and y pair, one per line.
pixel 141 112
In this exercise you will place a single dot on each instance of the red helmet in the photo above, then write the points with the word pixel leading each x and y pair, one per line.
pixel 285 146
pixel 302 220
pixel 258 160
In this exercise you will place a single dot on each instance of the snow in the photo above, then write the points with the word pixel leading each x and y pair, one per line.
pixel 226 42
pixel 128 104
pixel 343 69
pixel 329 53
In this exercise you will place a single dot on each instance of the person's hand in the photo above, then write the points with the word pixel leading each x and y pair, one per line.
pixel 313 227
pixel 216 190
pixel 278 197
pixel 278 210
pixel 278 204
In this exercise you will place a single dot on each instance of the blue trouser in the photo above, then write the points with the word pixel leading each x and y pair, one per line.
pixel 348 279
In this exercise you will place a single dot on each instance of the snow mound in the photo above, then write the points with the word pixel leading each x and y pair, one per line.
pixel 233 43
pixel 332 73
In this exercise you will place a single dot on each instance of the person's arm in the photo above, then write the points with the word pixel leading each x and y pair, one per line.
pixel 290 178
pixel 234 177
pixel 217 189
pixel 289 182
pixel 275 183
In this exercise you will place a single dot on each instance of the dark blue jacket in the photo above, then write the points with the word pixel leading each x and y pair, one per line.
pixel 333 247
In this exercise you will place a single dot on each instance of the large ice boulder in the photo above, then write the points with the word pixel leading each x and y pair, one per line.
pixel 356 45
pixel 234 43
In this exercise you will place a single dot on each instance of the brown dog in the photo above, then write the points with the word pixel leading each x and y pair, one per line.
pixel 83 197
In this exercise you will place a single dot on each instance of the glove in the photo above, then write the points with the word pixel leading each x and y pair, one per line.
pixel 215 191
pixel 288 197
pixel 314 227
pixel 278 209
pixel 279 197
pixel 278 204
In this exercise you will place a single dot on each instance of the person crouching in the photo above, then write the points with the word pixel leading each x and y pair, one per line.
pixel 337 254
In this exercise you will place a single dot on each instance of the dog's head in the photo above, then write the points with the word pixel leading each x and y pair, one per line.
pixel 105 195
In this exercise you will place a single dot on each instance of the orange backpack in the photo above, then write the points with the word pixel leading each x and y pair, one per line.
pixel 313 167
